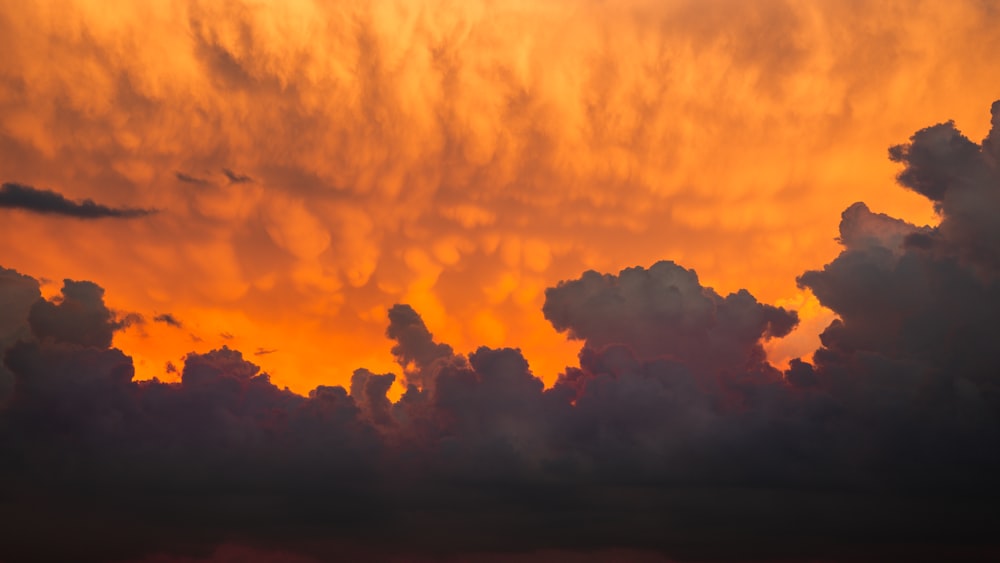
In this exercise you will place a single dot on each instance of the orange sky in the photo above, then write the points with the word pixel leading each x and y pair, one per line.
pixel 458 156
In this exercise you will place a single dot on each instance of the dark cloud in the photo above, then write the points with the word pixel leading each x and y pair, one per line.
pixel 665 312
pixel 224 438
pixel 188 179
pixel 415 348
pixel 235 178
pixel 672 437
pixel 168 319
pixel 17 196
pixel 921 294
pixel 264 351
pixel 79 317
pixel 369 392
pixel 912 352
pixel 17 294
pixel 962 179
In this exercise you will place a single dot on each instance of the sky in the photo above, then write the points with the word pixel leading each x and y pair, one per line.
pixel 525 270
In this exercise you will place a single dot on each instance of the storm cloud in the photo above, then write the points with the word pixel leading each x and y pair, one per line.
pixel 673 436
pixel 664 311
pixel 235 178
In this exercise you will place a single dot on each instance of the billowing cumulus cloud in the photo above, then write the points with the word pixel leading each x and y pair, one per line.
pixel 17 295
pixel 673 437
pixel 17 196
pixel 78 317
pixel 415 344
pixel 961 178
pixel 917 305
pixel 664 311
pixel 190 179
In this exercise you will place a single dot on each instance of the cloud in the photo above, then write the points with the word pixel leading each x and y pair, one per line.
pixel 17 196
pixel 673 434
pixel 235 178
pixel 79 317
pixel 960 177
pixel 917 305
pixel 188 179
pixel 645 452
pixel 17 295
pixel 665 312
pixel 75 402
pixel 415 348
pixel 168 319
pixel 673 437
pixel 516 145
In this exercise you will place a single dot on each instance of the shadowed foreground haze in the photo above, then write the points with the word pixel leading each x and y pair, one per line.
pixel 673 437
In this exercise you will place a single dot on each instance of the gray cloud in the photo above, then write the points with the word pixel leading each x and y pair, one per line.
pixel 17 294
pixel 188 179
pixel 415 348
pixel 18 196
pixel 235 178
pixel 168 319
pixel 665 312
pixel 79 317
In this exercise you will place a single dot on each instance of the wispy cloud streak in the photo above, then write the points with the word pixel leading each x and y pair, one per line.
pixel 18 196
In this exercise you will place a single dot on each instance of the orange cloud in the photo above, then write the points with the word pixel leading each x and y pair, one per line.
pixel 459 157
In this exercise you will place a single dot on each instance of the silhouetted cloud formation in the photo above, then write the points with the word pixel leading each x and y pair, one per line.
pixel 80 317
pixel 673 436
pixel 18 196
pixel 415 348
pixel 18 293
pixel 235 178
pixel 188 179
pixel 168 319
pixel 664 311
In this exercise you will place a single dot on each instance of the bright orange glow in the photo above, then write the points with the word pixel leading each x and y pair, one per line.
pixel 458 156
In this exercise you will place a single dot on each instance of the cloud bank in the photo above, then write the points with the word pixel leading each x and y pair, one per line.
pixel 673 436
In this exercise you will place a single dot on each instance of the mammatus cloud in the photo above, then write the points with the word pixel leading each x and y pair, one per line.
pixel 673 436
pixel 17 196
pixel 458 156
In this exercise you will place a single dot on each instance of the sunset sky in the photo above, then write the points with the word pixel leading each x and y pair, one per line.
pixel 275 177
pixel 459 157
